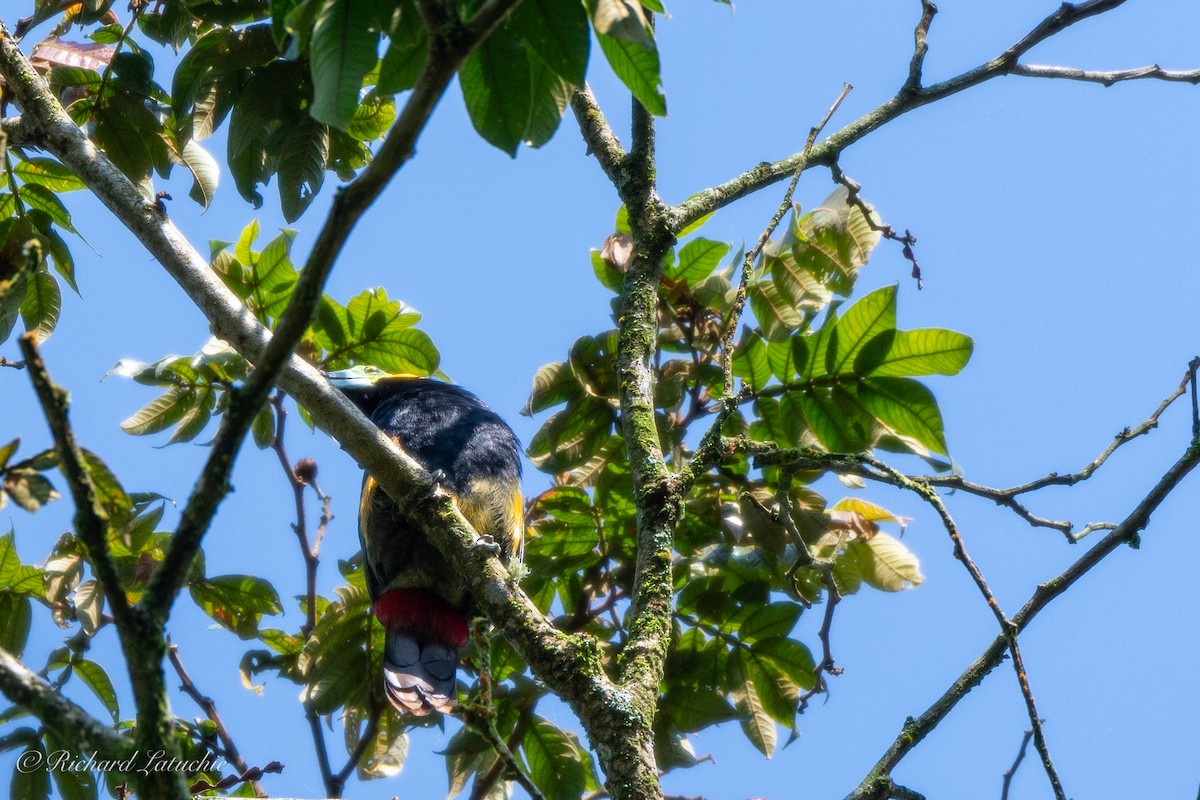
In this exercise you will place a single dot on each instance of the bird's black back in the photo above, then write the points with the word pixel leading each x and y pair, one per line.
pixel 444 427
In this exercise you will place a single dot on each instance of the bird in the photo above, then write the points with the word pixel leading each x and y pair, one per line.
pixel 423 605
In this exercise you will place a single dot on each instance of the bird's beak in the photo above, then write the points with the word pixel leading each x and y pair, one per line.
pixel 361 377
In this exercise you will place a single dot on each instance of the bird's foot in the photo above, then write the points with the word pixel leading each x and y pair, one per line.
pixel 486 542
pixel 437 482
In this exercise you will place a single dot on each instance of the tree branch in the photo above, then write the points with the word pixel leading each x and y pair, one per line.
pixel 785 206
pixel 68 721
pixel 1007 629
pixel 1008 776
pixel 91 519
pixel 915 729
pixel 601 142
pixel 1007 497
pixel 1107 78
pixel 188 686
pixel 910 96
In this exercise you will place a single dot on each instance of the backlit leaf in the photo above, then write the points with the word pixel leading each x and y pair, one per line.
pixel 495 81
pixel 926 351
pixel 907 407
pixel 638 68
pixel 343 50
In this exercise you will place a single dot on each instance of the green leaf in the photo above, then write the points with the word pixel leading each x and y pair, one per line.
pixel 29 489
pixel 925 351
pixel 194 421
pixel 343 50
pixel 160 413
pixel 697 260
pixel 263 428
pixel 554 760
pixel 781 356
pixel 756 721
pixel 405 56
pixel 549 94
pixel 558 32
pixel 572 436
pixel 33 784
pixel 833 241
pixel 553 384
pixel 496 87
pixel 750 360
pixel 638 68
pixel 48 173
pixel 813 351
pixel 96 679
pixel 42 305
pixel 108 489
pixel 776 313
pixel 302 162
pixel 372 329
pixel 693 708
pixel 907 407
pixel 237 602
pixel 339 664
pixel 801 288
pixel 776 619
pixel 16 616
pixel 60 254
pixel 623 19
pixel 790 657
pixel 89 606
pixel 837 420
pixel 373 118
pixel 72 784
pixel 199 162
pixel 886 564
pixel 126 131
pixel 870 316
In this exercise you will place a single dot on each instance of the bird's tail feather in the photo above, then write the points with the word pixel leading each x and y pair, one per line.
pixel 419 677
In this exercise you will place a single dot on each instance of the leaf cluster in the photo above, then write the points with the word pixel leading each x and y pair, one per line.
pixel 752 543
pixel 371 328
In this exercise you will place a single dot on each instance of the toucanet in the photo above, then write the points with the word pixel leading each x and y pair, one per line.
pixel 423 604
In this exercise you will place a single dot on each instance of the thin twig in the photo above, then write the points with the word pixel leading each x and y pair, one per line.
pixel 804 558
pixel 785 206
pixel 920 46
pixel 188 686
pixel 907 240
pixel 481 717
pixel 1008 776
pixel 365 741
pixel 708 451
pixel 911 95
pixel 1007 628
pixel 1107 78
pixel 916 729
pixel 300 527
pixel 1007 497
pixel 135 11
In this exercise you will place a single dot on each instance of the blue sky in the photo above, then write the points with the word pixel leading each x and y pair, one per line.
pixel 1054 221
